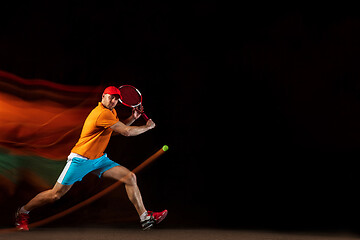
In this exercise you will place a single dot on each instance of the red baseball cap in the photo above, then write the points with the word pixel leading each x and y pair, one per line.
pixel 112 90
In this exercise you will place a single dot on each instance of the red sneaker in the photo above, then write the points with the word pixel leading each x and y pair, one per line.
pixel 21 221
pixel 153 218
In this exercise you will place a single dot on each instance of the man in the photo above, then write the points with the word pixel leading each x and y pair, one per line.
pixel 88 156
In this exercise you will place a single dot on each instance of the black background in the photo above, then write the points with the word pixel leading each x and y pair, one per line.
pixel 259 104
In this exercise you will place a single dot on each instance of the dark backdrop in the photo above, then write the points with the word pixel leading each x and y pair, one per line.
pixel 259 104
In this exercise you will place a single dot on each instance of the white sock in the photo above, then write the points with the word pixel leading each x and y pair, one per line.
pixel 143 216
pixel 23 210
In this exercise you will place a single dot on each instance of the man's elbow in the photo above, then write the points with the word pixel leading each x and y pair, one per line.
pixel 122 129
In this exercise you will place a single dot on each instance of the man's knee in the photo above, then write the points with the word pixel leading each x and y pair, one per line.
pixel 130 178
pixel 55 196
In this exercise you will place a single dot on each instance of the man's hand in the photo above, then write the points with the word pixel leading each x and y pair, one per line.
pixel 136 112
pixel 150 124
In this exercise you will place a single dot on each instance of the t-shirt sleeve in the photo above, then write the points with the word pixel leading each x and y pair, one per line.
pixel 106 119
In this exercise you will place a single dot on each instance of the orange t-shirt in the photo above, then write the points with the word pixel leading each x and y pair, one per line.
pixel 96 132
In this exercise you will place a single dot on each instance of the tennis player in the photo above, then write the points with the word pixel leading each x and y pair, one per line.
pixel 88 156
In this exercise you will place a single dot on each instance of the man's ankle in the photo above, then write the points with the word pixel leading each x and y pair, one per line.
pixel 22 210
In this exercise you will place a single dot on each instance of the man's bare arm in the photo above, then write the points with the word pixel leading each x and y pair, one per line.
pixel 127 131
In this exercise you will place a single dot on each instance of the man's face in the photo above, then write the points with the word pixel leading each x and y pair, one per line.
pixel 109 101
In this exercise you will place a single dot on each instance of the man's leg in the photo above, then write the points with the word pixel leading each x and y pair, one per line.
pixel 147 218
pixel 39 200
pixel 122 174
pixel 48 196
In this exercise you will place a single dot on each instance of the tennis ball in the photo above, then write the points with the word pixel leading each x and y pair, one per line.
pixel 165 148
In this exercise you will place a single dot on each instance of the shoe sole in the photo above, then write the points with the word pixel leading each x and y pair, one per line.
pixel 148 227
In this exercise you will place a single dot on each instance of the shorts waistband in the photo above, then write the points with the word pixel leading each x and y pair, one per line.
pixel 75 155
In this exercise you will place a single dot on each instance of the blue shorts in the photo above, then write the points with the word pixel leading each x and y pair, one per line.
pixel 77 167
